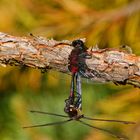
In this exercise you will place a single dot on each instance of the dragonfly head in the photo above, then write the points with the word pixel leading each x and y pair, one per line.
pixel 78 44
pixel 73 112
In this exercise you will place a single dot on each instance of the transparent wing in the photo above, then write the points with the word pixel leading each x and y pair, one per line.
pixel 121 137
pixel 107 120
pixel 48 113
pixel 48 124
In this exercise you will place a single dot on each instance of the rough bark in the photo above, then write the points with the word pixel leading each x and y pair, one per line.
pixel 115 65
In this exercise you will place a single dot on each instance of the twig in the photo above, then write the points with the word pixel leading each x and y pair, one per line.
pixel 118 66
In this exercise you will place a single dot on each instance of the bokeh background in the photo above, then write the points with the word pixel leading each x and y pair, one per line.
pixel 104 22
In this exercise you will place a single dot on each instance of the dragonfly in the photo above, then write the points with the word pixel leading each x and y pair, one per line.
pixel 73 109
pixel 59 55
pixel 73 104
pixel 76 58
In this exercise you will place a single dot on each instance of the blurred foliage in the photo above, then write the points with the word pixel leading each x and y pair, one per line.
pixel 104 22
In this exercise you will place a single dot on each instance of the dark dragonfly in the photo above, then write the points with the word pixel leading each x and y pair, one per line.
pixel 77 57
pixel 73 109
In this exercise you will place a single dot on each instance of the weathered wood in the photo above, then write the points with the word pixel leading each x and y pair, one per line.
pixel 118 66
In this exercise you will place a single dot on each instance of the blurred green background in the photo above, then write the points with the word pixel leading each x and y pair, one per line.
pixel 104 22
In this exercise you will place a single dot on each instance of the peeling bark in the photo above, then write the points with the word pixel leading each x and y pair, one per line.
pixel 115 65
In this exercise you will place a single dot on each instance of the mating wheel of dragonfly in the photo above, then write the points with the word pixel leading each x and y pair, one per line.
pixel 73 105
pixel 102 65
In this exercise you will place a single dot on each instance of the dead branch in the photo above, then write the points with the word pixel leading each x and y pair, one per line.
pixel 118 66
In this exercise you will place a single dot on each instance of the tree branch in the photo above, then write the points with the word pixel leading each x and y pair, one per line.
pixel 115 65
